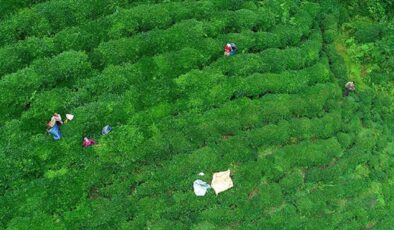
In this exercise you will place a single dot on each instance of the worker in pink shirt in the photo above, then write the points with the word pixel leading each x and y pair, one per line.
pixel 88 142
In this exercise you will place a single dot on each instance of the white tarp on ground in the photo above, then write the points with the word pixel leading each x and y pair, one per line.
pixel 200 187
pixel 221 181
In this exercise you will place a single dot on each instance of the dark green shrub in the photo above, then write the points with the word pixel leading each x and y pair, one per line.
pixel 204 226
pixel 338 66
pixel 276 110
pixel 11 6
pixel 40 220
pixel 229 4
pixel 128 138
pixel 67 66
pixel 264 40
pixel 17 56
pixel 344 139
pixel 25 23
pixel 305 206
pixel 148 17
pixel 328 125
pixel 330 22
pixel 49 18
pixel 366 140
pixel 287 35
pixel 329 36
pixel 270 195
pixel 14 95
pixel 131 49
pixel 82 38
pixel 369 32
pixel 282 217
pixel 240 65
pixel 200 9
pixel 309 154
pixel 292 182
pixel 244 18
pixel 266 18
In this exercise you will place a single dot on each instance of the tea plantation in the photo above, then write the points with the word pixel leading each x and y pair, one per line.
pixel 301 155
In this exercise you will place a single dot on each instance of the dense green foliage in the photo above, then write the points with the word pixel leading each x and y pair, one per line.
pixel 301 155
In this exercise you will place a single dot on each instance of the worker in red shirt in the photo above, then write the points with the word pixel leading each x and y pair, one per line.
pixel 230 49
pixel 227 49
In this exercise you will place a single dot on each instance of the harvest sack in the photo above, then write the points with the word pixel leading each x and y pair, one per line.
pixel 200 187
pixel 55 132
pixel 69 117
pixel 221 181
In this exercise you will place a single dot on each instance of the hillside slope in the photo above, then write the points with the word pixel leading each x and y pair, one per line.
pixel 301 155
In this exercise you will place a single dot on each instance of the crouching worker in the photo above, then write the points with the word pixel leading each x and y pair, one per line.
pixel 230 49
pixel 227 49
pixel 56 119
pixel 349 87
pixel 53 126
pixel 88 142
